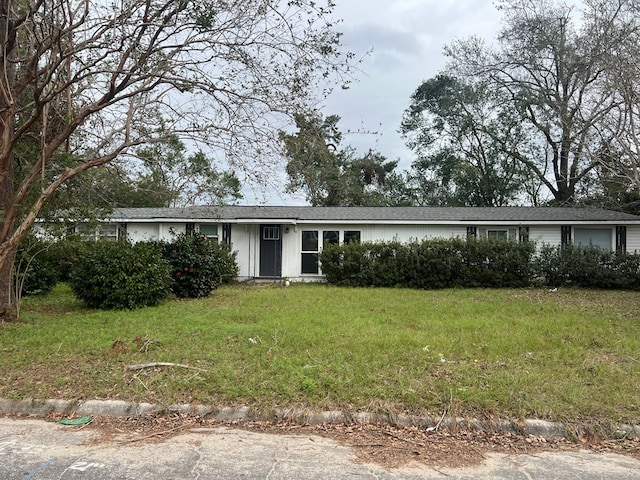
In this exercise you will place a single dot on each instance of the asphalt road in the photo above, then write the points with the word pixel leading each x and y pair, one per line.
pixel 37 450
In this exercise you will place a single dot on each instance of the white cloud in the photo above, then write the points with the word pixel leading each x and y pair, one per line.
pixel 407 37
pixel 381 38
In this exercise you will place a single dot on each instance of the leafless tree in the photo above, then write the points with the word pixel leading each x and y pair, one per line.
pixel 620 133
pixel 554 62
pixel 86 81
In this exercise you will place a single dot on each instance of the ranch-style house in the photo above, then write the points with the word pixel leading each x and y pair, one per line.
pixel 274 242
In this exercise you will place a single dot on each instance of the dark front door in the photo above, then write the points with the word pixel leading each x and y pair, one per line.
pixel 270 251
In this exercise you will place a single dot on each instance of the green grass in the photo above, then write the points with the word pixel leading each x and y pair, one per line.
pixel 568 355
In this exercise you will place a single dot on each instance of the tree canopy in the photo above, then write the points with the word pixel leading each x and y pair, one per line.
pixel 329 175
pixel 565 78
pixel 458 131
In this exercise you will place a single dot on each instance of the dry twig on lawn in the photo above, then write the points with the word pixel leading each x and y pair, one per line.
pixel 140 366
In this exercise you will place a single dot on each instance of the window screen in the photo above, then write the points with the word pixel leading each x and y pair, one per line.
pixel 209 229
pixel 309 240
pixel 330 238
pixel 595 237
pixel 498 234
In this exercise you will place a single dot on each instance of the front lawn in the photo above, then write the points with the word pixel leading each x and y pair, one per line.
pixel 567 355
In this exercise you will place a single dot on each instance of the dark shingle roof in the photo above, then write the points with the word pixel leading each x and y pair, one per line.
pixel 377 214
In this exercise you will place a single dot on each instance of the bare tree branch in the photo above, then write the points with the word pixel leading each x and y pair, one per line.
pixel 85 81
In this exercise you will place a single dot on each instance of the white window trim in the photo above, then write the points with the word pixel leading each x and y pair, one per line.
pixel 215 236
pixel 273 230
pixel 321 233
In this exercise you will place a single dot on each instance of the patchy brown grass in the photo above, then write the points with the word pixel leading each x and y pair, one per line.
pixel 569 355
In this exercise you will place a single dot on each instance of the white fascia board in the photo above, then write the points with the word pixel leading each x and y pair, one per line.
pixel 241 221
pixel 164 220
pixel 555 222
pixel 468 222
pixel 291 221
pixel 257 221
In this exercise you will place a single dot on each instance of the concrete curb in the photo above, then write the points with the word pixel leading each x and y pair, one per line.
pixel 120 408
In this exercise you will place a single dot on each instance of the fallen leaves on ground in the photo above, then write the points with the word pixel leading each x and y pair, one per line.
pixel 385 445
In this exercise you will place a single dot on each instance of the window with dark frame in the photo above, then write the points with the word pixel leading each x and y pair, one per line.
pixel 330 237
pixel 351 236
pixel 310 246
pixel 210 230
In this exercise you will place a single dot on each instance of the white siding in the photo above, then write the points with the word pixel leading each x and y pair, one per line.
pixel 549 235
pixel 168 231
pixel 291 247
pixel 140 232
pixel 245 240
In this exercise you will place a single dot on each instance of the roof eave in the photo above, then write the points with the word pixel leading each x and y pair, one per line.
pixel 294 221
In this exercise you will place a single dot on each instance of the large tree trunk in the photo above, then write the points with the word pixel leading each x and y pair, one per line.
pixel 7 290
pixel 7 109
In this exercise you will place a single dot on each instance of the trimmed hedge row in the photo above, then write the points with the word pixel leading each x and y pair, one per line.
pixel 121 275
pixel 461 263
pixel 588 267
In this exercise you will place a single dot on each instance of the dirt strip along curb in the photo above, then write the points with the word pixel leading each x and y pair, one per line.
pixel 120 408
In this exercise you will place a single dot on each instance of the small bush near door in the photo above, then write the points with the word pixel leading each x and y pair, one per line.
pixel 198 264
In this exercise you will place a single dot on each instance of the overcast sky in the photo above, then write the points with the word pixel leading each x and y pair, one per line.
pixel 407 39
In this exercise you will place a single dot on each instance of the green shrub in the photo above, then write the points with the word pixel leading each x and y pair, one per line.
pixel 588 267
pixel 65 253
pixel 198 264
pixel 625 268
pixel 497 263
pixel 430 264
pixel 35 271
pixel 118 275
pixel 331 259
